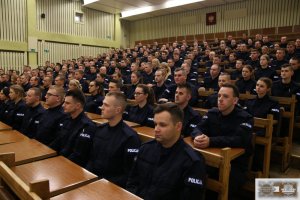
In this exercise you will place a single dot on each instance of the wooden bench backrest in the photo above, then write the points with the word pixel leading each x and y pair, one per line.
pixel 266 141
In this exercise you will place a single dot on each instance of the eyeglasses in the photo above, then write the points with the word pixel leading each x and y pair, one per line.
pixel 50 95
pixel 137 93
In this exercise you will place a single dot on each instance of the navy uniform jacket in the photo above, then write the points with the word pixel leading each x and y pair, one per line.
pixel 246 85
pixel 84 85
pixel 233 130
pixel 236 75
pixel 211 101
pixel 261 107
pixel 175 173
pixel 287 90
pixel 130 91
pixel 158 91
pixel 32 120
pixel 143 116
pixel 276 64
pixel 190 121
pixel 93 103
pixel 211 83
pixel 267 72
pixel 50 124
pixel 113 151
pixel 296 76
pixel 169 94
pixel 14 114
pixel 4 108
pixel 75 139
pixel 148 78
pixel 254 63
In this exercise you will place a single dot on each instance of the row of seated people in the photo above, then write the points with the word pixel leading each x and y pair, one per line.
pixel 109 150
pixel 164 87
pixel 182 96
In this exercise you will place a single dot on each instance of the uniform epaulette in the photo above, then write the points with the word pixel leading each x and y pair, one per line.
pixel 191 153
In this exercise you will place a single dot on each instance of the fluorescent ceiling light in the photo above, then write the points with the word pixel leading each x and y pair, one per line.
pixel 89 1
pixel 147 9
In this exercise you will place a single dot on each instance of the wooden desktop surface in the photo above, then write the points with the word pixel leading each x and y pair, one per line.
pixel 11 136
pixel 27 151
pixel 234 152
pixel 93 116
pixel 102 121
pixel 99 190
pixel 63 174
pixel 145 132
pixel 4 127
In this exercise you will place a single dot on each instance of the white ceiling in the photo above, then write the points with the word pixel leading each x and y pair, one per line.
pixel 158 7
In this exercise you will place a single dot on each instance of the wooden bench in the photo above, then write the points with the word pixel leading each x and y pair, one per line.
pixel 282 145
pixel 266 142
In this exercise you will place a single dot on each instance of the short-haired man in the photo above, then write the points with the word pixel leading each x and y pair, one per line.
pixel 167 168
pixel 280 59
pixel 212 100
pixel 115 85
pixel 286 87
pixel 295 63
pixel 79 76
pixel 191 117
pixel 34 81
pixel 160 86
pixel 115 144
pixel 212 80
pixel 47 82
pixel 25 82
pixel 227 126
pixel 53 119
pixel 34 112
pixel 180 77
pixel 75 138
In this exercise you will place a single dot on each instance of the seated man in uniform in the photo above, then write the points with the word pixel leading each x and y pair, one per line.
pixel 53 119
pixel 191 117
pixel 33 113
pixel 74 140
pixel 167 168
pixel 227 126
pixel 115 144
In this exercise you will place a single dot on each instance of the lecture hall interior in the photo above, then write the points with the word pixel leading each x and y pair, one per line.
pixel 199 47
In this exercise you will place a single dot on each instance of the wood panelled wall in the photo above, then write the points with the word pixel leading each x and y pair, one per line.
pixel 56 52
pixel 256 14
pixel 60 15
pixel 12 60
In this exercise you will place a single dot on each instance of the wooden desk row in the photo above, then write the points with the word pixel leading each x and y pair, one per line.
pixel 30 169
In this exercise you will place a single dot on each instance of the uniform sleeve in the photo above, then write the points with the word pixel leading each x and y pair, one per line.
pixel 202 127
pixel 194 182
pixel 18 117
pixel 240 138
pixel 133 179
pixel 130 151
